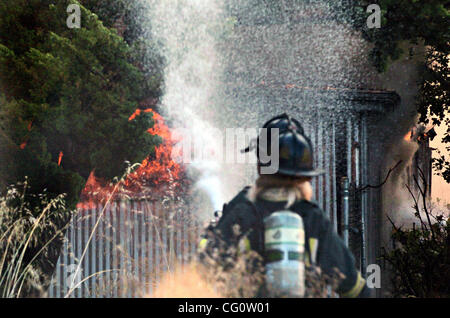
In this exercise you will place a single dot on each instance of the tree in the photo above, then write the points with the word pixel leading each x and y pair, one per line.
pixel 65 99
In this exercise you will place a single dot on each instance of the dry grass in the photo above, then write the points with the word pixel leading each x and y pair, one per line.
pixel 229 272
pixel 186 282
pixel 26 235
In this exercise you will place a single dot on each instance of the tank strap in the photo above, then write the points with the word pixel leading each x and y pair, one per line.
pixel 260 225
pixel 311 259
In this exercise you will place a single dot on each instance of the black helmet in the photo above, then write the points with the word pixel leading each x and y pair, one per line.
pixel 284 122
pixel 296 155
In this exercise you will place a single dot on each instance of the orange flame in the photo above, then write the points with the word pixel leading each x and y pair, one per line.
pixel 24 144
pixel 160 169
pixel 60 157
pixel 163 168
pixel 417 134
pixel 138 113
pixel 408 136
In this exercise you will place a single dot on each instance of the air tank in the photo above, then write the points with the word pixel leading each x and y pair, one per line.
pixel 284 244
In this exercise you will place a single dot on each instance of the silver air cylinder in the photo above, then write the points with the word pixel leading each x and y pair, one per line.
pixel 284 243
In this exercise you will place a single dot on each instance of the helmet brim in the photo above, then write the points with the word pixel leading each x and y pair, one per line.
pixel 306 173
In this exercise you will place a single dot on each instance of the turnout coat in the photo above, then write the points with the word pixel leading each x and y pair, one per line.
pixel 324 248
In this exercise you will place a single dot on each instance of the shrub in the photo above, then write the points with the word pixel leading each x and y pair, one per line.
pixel 420 259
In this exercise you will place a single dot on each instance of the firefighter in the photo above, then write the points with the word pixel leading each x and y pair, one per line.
pixel 289 188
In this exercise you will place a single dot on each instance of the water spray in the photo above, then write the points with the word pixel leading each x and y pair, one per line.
pixel 186 30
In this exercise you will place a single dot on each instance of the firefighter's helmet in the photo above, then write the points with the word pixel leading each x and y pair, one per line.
pixel 296 154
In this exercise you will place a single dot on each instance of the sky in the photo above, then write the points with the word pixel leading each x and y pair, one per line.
pixel 439 187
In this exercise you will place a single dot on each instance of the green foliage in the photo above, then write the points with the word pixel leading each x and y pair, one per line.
pixel 414 21
pixel 65 99
pixel 421 264
pixel 420 261
pixel 131 18
pixel 70 91
pixel 27 232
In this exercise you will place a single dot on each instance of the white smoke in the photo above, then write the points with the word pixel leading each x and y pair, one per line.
pixel 398 203
pixel 210 183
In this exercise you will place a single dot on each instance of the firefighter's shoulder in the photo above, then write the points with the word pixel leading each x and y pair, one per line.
pixel 311 203
pixel 311 207
pixel 241 197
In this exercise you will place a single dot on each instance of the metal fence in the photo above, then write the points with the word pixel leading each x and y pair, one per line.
pixel 123 249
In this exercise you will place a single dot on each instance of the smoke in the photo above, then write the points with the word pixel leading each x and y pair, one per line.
pixel 398 201
pixel 210 183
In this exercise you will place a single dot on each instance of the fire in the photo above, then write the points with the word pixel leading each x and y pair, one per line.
pixel 158 170
pixel 24 143
pixel 138 112
pixel 411 134
pixel 162 169
pixel 60 157
pixel 408 136
pixel 419 133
